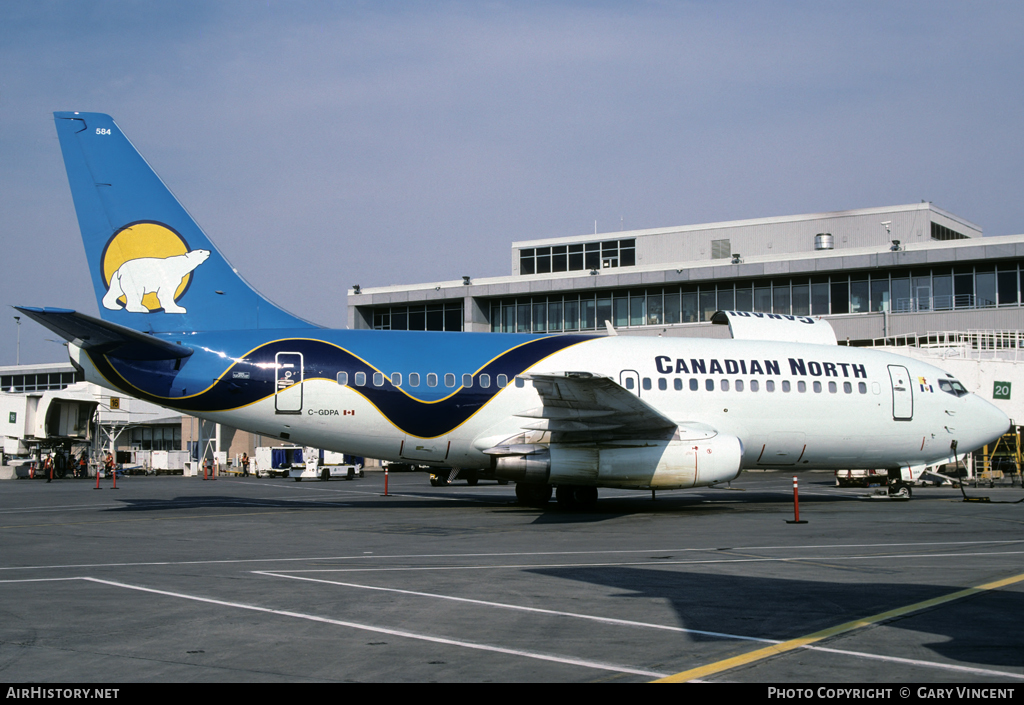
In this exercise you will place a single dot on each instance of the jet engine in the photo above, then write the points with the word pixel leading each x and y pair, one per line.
pixel 655 464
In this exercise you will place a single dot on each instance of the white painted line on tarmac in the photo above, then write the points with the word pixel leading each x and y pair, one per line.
pixel 606 620
pixel 450 556
pixel 66 508
pixel 534 566
pixel 917 662
pixel 649 625
pixel 538 610
pixel 393 632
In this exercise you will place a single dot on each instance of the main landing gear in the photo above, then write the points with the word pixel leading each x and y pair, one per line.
pixel 900 490
pixel 569 497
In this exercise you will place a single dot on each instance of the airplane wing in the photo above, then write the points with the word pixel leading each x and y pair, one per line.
pixel 580 406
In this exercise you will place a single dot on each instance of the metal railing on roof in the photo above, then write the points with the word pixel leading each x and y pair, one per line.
pixel 969 345
pixel 917 304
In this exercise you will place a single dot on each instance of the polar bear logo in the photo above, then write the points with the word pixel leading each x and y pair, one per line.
pixel 151 275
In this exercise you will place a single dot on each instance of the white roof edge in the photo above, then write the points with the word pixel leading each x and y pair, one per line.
pixel 743 223
pixel 36 368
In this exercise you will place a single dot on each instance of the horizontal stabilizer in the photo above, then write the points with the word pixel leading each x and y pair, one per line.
pixel 105 337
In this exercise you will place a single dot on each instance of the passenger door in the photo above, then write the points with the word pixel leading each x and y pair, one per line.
pixel 902 393
pixel 630 380
pixel 288 385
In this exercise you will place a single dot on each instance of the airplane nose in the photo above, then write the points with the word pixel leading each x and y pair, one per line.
pixel 991 421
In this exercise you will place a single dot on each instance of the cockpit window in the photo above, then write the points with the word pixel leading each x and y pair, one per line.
pixel 951 386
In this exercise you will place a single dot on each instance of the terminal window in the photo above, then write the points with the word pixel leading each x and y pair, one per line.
pixel 577 258
pixel 439 317
pixel 40 382
pixel 941 232
pixel 939 288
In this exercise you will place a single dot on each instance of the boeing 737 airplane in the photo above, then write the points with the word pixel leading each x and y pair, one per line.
pixel 181 329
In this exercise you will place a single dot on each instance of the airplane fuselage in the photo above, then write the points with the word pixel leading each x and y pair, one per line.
pixel 444 398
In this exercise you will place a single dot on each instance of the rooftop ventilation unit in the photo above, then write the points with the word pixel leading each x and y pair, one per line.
pixel 824 241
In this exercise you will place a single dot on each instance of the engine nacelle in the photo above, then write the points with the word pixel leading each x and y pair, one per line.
pixel 533 468
pixel 630 464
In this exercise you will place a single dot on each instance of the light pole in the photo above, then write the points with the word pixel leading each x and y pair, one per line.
pixel 17 359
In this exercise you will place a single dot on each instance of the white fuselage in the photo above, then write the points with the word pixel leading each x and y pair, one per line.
pixel 790 405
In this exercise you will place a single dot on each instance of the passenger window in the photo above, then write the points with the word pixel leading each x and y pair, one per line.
pixel 343 378
pixel 378 379
pixel 724 385
pixel 875 389
pixel 629 383
pixel 817 387
pixel 769 386
pixel 862 387
pixel 485 380
pixel 662 383
pixel 414 379
pixel 847 387
pixel 431 379
pixel 832 389
pixel 693 385
pixel 678 384
pixel 709 384
pixel 449 380
pixel 801 386
pixel 753 385
pixel 739 385
pixel 520 382
pixel 467 380
pixel 647 383
pixel 502 381
pixel 785 386
pixel 360 379
pixel 396 379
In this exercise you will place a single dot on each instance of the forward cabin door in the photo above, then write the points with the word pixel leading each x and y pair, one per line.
pixel 630 380
pixel 902 393
pixel 288 385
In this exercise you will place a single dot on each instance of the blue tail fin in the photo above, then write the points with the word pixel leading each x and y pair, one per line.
pixel 153 268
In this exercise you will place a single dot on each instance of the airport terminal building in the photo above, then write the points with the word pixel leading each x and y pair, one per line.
pixel 873 273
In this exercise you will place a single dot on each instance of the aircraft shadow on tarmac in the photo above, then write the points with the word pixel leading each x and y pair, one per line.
pixel 688 502
pixel 984 629
pixel 220 501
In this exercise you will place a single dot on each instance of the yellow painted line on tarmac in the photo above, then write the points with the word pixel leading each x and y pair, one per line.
pixel 801 642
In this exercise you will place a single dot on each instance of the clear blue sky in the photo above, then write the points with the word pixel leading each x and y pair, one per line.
pixel 326 144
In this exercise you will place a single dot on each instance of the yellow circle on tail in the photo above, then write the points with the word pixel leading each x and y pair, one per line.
pixel 143 240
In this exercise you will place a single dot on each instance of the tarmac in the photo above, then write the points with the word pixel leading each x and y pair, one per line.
pixel 172 579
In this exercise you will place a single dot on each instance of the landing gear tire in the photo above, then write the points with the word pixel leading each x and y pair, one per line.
pixel 576 497
pixel 900 490
pixel 325 475
pixel 471 481
pixel 533 495
pixel 565 495
pixel 586 497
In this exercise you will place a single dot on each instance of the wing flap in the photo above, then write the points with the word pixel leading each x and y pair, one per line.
pixel 580 406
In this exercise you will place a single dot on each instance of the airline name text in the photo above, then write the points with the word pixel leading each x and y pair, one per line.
pixel 797 367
